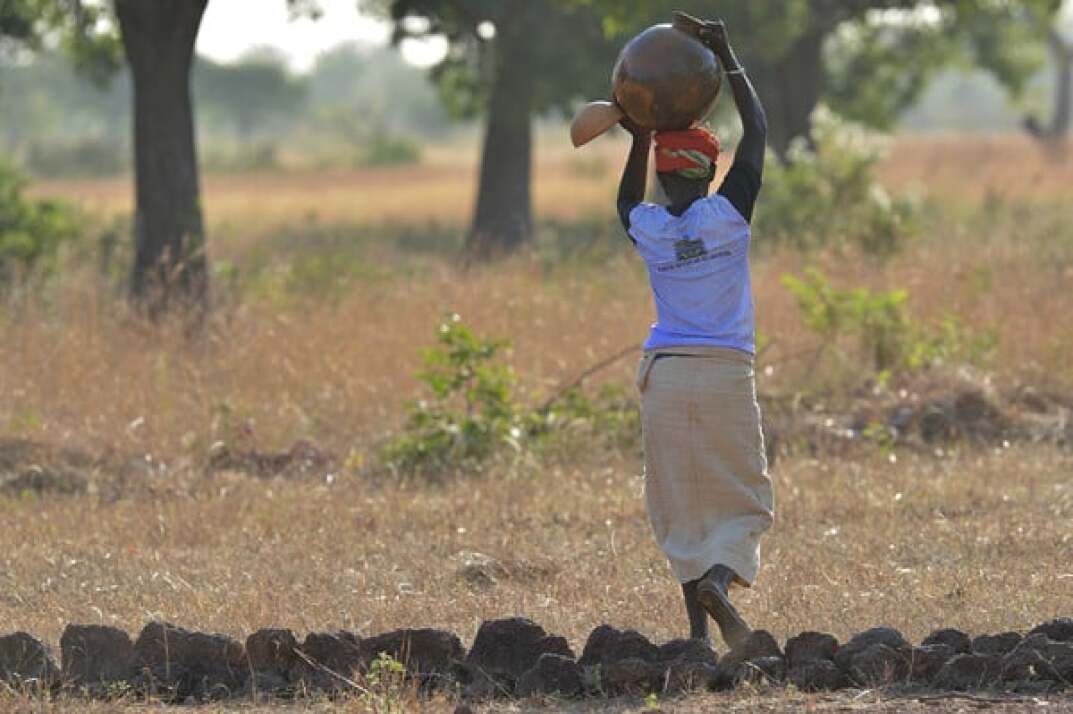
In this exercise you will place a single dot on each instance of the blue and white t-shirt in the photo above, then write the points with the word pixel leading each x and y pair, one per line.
pixel 698 266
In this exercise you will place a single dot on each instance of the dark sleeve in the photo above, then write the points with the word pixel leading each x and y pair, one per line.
pixel 625 208
pixel 741 187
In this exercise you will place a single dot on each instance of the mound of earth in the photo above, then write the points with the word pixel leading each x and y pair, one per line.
pixel 516 658
pixel 28 466
pixel 41 469
pixel 925 413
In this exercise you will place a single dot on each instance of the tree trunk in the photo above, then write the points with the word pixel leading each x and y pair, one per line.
pixel 791 90
pixel 1056 132
pixel 1063 97
pixel 503 218
pixel 170 266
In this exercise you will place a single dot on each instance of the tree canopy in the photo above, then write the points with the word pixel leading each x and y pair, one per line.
pixel 867 59
pixel 83 31
pixel 249 93
pixel 510 60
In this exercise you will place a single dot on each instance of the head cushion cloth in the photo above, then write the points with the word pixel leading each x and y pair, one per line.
pixel 691 153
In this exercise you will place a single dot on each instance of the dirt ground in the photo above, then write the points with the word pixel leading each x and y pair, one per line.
pixel 109 514
pixel 978 540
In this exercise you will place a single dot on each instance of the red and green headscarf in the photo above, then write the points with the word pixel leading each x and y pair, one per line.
pixel 691 154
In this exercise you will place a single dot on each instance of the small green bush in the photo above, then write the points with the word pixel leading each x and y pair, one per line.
pixel 576 419
pixel 473 412
pixel 385 686
pixel 830 197
pixel 31 232
pixel 880 322
pixel 388 149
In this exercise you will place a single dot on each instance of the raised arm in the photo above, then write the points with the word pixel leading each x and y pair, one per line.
pixel 753 144
pixel 631 190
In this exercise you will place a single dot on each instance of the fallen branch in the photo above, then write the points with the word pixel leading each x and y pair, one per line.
pixel 577 381
pixel 627 351
pixel 318 666
pixel 974 698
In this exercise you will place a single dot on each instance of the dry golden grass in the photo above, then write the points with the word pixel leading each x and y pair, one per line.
pixel 78 371
pixel 916 545
pixel 981 167
pixel 441 189
pixel 980 541
pixel 567 183
pixel 977 540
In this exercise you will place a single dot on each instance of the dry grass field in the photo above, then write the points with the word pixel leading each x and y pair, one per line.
pixel 979 538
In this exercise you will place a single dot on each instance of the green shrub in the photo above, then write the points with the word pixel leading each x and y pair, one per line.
pixel 385 686
pixel 830 197
pixel 473 412
pixel 387 149
pixel 882 326
pixel 575 420
pixel 31 231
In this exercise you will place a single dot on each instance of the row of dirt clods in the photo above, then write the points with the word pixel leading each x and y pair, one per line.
pixel 517 658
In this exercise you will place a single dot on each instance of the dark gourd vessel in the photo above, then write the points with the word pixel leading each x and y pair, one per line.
pixel 665 79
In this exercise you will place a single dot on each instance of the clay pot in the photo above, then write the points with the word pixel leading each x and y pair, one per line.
pixel 665 79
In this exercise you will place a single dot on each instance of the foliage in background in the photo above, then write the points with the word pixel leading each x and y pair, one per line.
pixel 80 157
pixel 511 60
pixel 473 411
pixel 251 94
pixel 31 231
pixel 369 137
pixel 55 123
pixel 880 323
pixel 78 28
pixel 869 59
pixel 376 83
pixel 830 196
pixel 248 157
pixel 44 100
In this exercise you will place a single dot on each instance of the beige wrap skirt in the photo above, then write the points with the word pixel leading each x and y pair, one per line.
pixel 707 490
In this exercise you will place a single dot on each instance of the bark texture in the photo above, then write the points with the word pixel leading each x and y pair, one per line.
pixel 170 265
pixel 791 91
pixel 503 218
pixel 1058 128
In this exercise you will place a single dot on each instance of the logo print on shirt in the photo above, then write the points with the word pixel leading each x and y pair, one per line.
pixel 689 249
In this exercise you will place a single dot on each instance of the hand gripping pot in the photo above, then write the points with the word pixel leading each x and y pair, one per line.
pixel 665 79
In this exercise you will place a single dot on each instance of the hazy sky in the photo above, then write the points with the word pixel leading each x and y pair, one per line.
pixel 231 27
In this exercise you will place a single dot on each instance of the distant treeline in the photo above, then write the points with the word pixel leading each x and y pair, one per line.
pixel 363 98
pixel 972 100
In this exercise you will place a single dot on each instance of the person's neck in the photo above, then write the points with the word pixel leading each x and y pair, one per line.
pixel 677 208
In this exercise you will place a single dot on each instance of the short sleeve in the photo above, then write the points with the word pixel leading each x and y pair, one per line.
pixel 646 223
pixel 741 187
